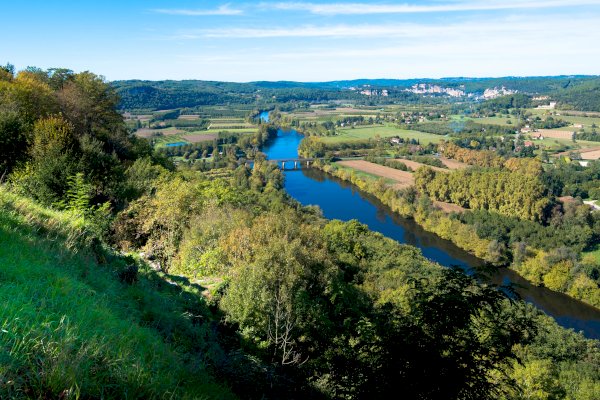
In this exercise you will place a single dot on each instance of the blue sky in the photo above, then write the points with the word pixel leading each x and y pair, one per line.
pixel 304 40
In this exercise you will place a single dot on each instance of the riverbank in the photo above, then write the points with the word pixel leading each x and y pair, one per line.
pixel 433 219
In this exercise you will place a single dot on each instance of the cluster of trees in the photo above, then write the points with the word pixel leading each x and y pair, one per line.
pixel 55 125
pixel 330 309
pixel 592 135
pixel 312 146
pixel 185 124
pixel 548 123
pixel 481 158
pixel 145 95
pixel 534 248
pixel 505 103
pixel 237 145
pixel 510 192
pixel 572 179
pixel 582 95
pixel 502 146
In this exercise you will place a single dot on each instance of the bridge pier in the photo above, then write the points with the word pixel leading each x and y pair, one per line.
pixel 295 164
pixel 283 165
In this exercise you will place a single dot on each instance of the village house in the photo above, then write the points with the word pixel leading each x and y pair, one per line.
pixel 537 136
pixel 526 129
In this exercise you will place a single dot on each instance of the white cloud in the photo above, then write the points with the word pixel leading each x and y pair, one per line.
pixel 503 27
pixel 309 31
pixel 222 10
pixel 370 8
pixel 511 46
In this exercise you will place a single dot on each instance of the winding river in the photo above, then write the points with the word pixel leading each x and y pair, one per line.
pixel 342 200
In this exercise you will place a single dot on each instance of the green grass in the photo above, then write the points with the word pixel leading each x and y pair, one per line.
pixel 70 329
pixel 579 145
pixel 502 121
pixel 371 131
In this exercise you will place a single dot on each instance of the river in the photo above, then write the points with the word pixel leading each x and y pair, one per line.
pixel 341 200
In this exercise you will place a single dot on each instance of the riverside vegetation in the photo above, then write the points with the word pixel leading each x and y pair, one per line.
pixel 542 239
pixel 125 276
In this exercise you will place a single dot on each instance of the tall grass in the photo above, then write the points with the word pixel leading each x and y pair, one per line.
pixel 70 329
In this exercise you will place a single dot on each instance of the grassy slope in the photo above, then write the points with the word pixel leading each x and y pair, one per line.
pixel 70 328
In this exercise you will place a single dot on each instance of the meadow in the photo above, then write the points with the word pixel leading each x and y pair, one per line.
pixel 383 131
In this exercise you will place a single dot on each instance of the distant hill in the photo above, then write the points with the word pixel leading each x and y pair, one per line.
pixel 579 92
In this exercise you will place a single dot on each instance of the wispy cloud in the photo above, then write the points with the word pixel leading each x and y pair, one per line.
pixel 513 26
pixel 221 10
pixel 525 45
pixel 308 31
pixel 461 6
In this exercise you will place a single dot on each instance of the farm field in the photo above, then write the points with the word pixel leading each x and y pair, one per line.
pixel 365 175
pixel 196 138
pixel 556 133
pixel 554 143
pixel 230 125
pixel 189 117
pixel 401 179
pixel 453 164
pixel 395 178
pixel 147 133
pixel 416 165
pixel 370 132
pixel 502 121
pixel 332 114
pixel 587 119
pixel 251 129
pixel 590 154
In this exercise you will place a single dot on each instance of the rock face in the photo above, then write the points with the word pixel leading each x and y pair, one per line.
pixel 497 92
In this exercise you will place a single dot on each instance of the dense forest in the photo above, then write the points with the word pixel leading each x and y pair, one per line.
pixel 123 275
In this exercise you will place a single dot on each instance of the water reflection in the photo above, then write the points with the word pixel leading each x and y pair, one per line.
pixel 341 200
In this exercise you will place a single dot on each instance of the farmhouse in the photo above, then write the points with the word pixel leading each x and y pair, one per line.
pixel 537 136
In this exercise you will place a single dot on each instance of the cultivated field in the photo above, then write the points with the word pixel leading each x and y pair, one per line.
pixel 555 133
pixel 147 133
pixel 590 154
pixel 503 121
pixel 396 178
pixel 200 137
pixel 453 164
pixel 402 179
pixel 189 117
pixel 371 131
